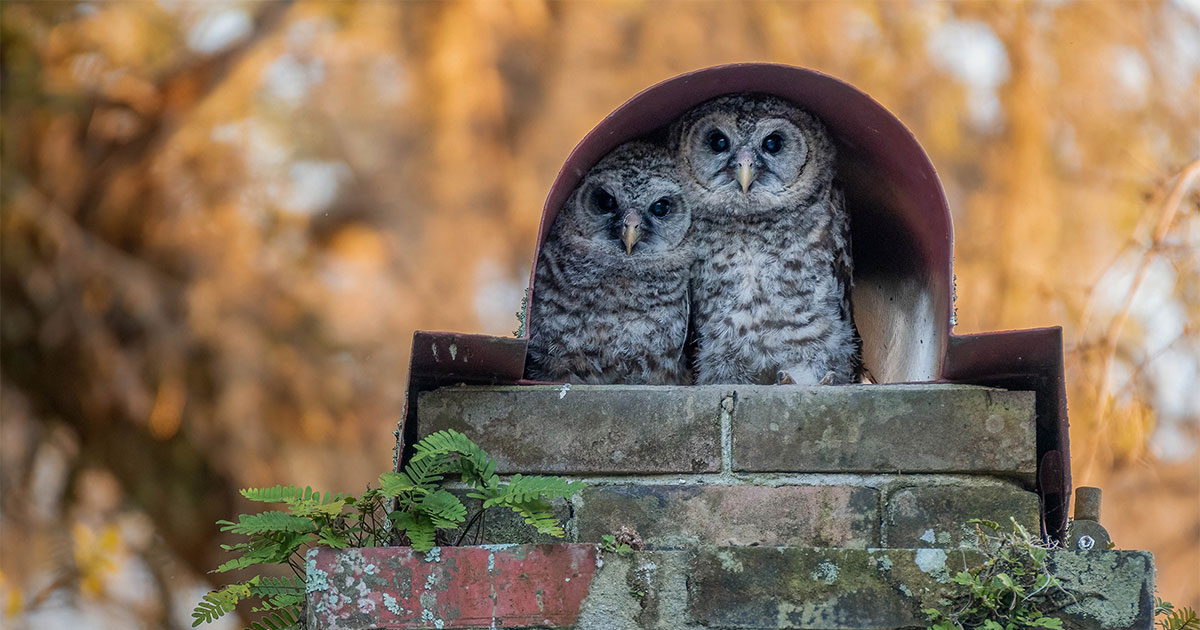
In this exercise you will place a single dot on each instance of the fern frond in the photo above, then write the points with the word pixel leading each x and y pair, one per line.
pixel 266 550
pixel 393 484
pixel 274 586
pixel 308 508
pixel 289 494
pixel 419 529
pixel 268 522
pixel 522 489
pixel 537 513
pixel 445 442
pixel 332 538
pixel 444 509
pixel 217 604
pixel 474 464
pixel 1183 618
pixel 283 619
pixel 423 474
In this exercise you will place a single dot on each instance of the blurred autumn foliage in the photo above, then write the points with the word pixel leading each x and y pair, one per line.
pixel 222 221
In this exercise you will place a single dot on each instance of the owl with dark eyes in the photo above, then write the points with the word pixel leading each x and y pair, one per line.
pixel 771 285
pixel 610 299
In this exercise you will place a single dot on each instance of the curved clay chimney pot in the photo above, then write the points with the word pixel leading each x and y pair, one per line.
pixel 901 232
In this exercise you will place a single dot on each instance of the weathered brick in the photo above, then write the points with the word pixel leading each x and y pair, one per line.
pixel 834 589
pixel 564 586
pixel 509 586
pixel 672 516
pixel 936 516
pixel 884 428
pixel 586 429
pixel 815 589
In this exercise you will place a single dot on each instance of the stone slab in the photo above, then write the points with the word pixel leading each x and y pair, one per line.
pixel 583 429
pixel 936 516
pixel 884 428
pixel 569 586
pixel 673 516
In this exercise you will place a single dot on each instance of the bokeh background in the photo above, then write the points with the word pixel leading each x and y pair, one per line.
pixel 223 220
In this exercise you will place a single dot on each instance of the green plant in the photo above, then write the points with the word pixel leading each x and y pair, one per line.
pixel 522 315
pixel 1011 590
pixel 608 542
pixel 408 507
pixel 1175 619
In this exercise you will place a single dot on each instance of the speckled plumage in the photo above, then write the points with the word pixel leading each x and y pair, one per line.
pixel 770 288
pixel 604 314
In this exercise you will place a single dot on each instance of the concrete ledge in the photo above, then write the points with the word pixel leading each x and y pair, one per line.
pixel 891 428
pixel 583 429
pixel 609 430
pixel 568 586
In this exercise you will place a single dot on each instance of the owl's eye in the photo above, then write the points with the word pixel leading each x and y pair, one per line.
pixel 661 208
pixel 772 143
pixel 718 142
pixel 604 201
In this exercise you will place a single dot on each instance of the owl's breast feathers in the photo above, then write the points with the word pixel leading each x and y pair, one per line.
pixel 771 291
pixel 597 318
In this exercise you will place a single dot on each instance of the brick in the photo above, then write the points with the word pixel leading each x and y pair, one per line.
pixel 1113 589
pixel 815 589
pixel 834 589
pixel 589 429
pixel 936 516
pixel 564 586
pixel 884 428
pixel 673 516
pixel 450 587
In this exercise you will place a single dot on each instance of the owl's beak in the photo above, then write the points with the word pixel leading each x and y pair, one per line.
pixel 744 170
pixel 631 232
pixel 630 237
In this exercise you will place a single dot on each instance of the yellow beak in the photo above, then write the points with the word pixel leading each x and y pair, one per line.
pixel 745 169
pixel 630 236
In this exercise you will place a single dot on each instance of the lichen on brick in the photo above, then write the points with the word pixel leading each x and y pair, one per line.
pixel 933 562
pixel 826 572
pixel 392 605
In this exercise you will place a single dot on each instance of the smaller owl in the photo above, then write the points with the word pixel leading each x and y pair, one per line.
pixel 610 299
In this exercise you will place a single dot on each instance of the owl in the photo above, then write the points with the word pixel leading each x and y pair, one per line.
pixel 770 287
pixel 610 299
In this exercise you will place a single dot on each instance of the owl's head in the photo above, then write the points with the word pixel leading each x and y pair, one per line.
pixel 753 152
pixel 630 204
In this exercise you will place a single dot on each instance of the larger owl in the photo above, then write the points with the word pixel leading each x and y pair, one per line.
pixel 771 285
pixel 610 300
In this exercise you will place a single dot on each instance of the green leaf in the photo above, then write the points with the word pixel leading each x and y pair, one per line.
pixel 289 494
pixel 522 489
pixel 268 522
pixel 218 603
pixel 444 509
pixel 284 619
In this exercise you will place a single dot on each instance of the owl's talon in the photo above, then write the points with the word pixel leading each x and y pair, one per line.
pixel 827 379
pixel 783 378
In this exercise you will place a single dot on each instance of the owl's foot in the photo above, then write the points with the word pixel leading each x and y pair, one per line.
pixel 785 377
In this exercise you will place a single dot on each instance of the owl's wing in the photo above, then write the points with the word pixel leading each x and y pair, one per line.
pixel 843 265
